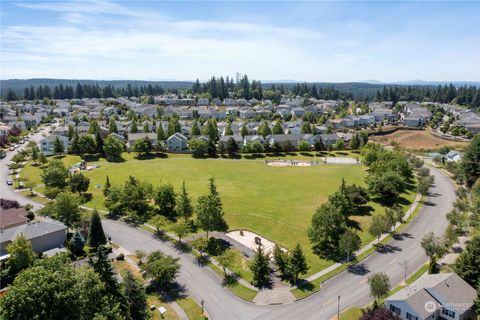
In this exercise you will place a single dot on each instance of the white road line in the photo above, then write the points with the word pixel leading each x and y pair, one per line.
pixel 363 281
pixel 327 302
pixel 213 296
pixel 188 274
pixel 391 262
pixel 413 245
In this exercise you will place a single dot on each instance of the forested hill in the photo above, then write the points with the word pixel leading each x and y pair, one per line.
pixel 219 87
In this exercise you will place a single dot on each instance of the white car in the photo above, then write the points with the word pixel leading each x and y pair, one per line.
pixel 9 182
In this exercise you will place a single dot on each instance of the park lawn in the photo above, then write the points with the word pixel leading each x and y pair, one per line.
pixel 276 202
pixel 191 308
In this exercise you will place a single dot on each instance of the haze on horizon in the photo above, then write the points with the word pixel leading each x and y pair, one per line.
pixel 306 41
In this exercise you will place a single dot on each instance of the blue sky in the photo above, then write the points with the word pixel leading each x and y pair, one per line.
pixel 309 41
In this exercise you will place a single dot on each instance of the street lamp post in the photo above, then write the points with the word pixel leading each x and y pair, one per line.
pixel 338 308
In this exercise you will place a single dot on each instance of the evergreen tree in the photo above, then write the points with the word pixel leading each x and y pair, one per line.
pixel 184 207
pixel 260 268
pixel 58 146
pixel 112 126
pixel 471 161
pixel 210 215
pixel 107 186
pixel 99 142
pixel 195 129
pixel 244 130
pixel 96 236
pixel 77 244
pixel 165 199
pixel 160 133
pixel 297 263
pixel 135 296
pixel 467 263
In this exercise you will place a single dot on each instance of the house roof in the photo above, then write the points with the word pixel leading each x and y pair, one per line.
pixel 448 287
pixel 12 217
pixel 177 136
pixel 32 230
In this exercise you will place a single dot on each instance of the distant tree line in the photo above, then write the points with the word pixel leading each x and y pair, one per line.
pixel 464 95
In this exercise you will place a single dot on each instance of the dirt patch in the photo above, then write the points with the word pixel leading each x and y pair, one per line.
pixel 417 140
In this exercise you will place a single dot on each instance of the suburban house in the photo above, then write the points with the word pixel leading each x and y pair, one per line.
pixel 46 144
pixel 134 137
pixel 443 296
pixel 177 142
pixel 329 139
pixel 44 235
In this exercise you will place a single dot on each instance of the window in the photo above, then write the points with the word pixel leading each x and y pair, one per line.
pixel 411 316
pixel 395 309
pixel 449 313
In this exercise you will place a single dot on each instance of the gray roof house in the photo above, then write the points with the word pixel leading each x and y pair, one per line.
pixel 177 142
pixel 134 137
pixel 329 139
pixel 44 235
pixel 46 144
pixel 443 296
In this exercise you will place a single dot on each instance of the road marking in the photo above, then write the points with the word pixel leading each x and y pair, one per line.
pixel 327 302
pixel 413 245
pixel 363 281
pixel 391 262
pixel 188 274
pixel 213 296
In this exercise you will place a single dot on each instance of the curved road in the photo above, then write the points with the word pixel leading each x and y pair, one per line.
pixel 352 287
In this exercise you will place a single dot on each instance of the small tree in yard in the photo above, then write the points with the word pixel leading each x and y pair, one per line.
pixel 161 268
pixel 181 229
pixel 79 183
pixel 21 253
pixel 378 314
pixel 349 243
pixel 58 146
pixel 434 249
pixel 77 244
pixel 297 263
pixel 96 236
pixel 260 268
pixel 226 260
pixel 379 285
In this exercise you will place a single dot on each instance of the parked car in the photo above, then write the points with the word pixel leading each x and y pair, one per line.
pixel 21 184
pixel 9 182
pixel 12 148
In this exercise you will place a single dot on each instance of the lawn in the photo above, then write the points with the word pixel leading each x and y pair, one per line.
pixel 276 202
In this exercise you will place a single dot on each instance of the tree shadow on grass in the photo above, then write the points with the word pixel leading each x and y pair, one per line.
pixel 117 160
pixel 306 154
pixel 253 156
pixel 388 249
pixel 304 285
pixel 90 157
pixel 145 156
pixel 168 293
pixel 275 154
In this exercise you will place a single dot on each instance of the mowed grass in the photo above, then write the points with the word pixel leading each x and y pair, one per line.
pixel 276 202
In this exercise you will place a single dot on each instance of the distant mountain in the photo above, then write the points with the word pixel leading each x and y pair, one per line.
pixel 420 82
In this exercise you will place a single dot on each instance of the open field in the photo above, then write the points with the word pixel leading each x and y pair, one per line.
pixel 277 203
pixel 418 140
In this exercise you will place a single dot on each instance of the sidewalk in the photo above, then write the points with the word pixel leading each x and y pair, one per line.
pixel 371 244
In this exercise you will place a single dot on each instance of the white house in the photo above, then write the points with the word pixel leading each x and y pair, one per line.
pixel 443 296
pixel 453 156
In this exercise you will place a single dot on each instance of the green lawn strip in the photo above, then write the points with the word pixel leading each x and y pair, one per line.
pixel 191 308
pixel 352 313
pixel 315 285
pixel 236 288
pixel 37 198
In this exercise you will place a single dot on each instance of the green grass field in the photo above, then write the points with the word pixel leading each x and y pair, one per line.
pixel 276 202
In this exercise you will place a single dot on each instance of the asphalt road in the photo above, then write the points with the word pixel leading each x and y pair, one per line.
pixel 5 190
pixel 352 287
